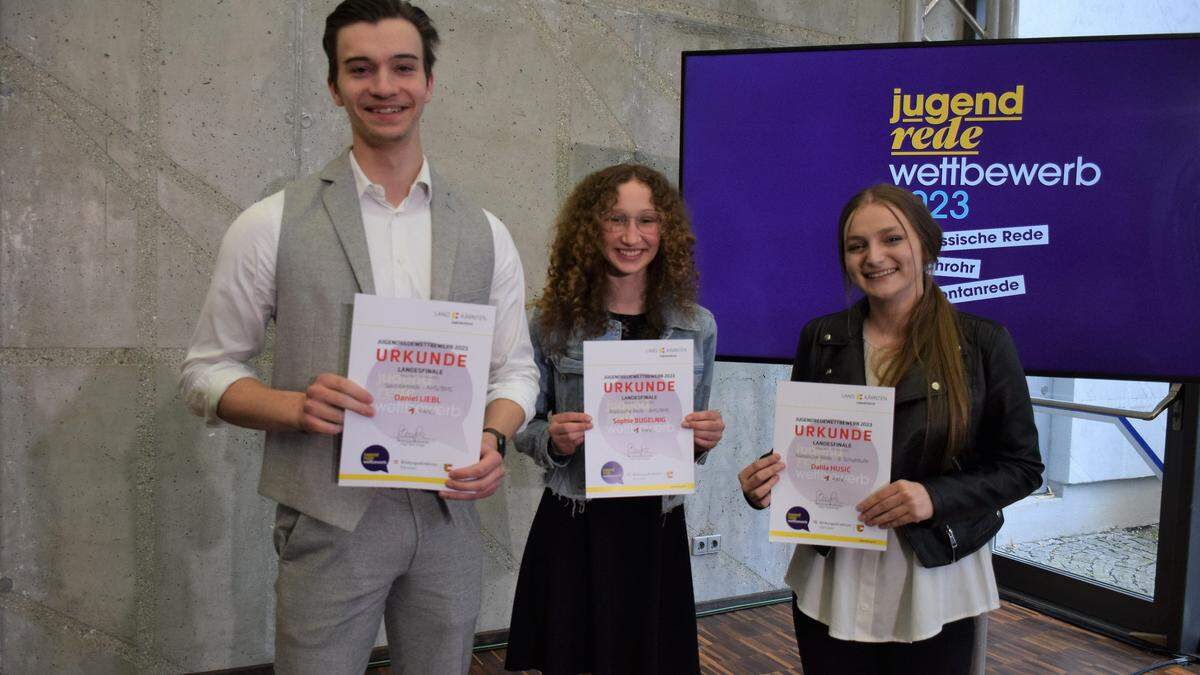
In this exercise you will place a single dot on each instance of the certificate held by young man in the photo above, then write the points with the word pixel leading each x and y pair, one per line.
pixel 637 393
pixel 426 364
pixel 836 443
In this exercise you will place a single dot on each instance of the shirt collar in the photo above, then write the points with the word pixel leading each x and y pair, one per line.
pixel 420 197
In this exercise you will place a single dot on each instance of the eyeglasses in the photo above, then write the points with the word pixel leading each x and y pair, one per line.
pixel 615 223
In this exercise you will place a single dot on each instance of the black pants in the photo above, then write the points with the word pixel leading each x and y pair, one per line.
pixel 949 652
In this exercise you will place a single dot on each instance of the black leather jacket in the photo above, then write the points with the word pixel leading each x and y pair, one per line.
pixel 1001 462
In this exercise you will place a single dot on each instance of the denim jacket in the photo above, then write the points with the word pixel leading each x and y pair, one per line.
pixel 561 390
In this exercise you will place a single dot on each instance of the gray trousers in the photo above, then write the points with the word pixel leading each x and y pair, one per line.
pixel 408 562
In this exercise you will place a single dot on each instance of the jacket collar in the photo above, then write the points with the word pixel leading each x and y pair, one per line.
pixel 675 318
pixel 848 334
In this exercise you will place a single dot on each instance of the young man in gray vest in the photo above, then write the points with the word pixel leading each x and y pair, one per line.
pixel 378 220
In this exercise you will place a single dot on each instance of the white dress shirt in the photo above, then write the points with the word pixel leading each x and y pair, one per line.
pixel 241 299
pixel 888 596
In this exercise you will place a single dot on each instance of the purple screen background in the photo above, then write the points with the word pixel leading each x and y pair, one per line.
pixel 774 143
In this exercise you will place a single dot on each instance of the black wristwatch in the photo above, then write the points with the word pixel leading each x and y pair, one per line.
pixel 501 441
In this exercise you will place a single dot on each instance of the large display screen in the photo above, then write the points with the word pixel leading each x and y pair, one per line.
pixel 1066 175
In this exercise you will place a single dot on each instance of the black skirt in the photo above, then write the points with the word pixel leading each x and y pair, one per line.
pixel 608 590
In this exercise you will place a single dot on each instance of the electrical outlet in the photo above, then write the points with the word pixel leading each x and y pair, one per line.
pixel 706 544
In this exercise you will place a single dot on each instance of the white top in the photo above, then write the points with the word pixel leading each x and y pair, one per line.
pixel 887 596
pixel 241 299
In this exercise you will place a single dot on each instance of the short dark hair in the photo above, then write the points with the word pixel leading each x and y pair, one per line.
pixel 374 11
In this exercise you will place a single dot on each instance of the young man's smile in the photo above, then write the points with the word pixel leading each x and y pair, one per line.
pixel 381 81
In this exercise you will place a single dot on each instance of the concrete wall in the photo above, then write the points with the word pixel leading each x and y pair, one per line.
pixel 1097 451
pixel 133 131
pixel 1096 479
pixel 1078 450
pixel 1082 509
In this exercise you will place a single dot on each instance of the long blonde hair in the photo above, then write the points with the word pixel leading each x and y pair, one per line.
pixel 932 336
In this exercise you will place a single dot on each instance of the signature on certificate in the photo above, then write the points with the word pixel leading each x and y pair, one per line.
pixel 637 451
pixel 415 436
pixel 829 501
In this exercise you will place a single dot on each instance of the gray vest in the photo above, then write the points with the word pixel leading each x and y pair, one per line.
pixel 322 262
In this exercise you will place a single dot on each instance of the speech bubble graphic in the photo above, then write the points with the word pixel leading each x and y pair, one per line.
pixel 638 419
pixel 611 472
pixel 797 518
pixel 375 458
pixel 417 403
pixel 833 463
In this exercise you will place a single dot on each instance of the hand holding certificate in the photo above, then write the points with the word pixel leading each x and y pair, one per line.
pixel 426 365
pixel 836 443
pixel 637 393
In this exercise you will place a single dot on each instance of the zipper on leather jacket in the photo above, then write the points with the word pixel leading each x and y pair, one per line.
pixel 950 530
pixel 953 544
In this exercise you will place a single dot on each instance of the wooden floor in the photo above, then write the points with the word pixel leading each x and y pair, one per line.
pixel 1019 641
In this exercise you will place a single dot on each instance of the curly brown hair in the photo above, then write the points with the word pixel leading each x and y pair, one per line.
pixel 573 302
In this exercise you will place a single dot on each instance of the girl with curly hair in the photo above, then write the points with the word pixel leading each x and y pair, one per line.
pixel 606 586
